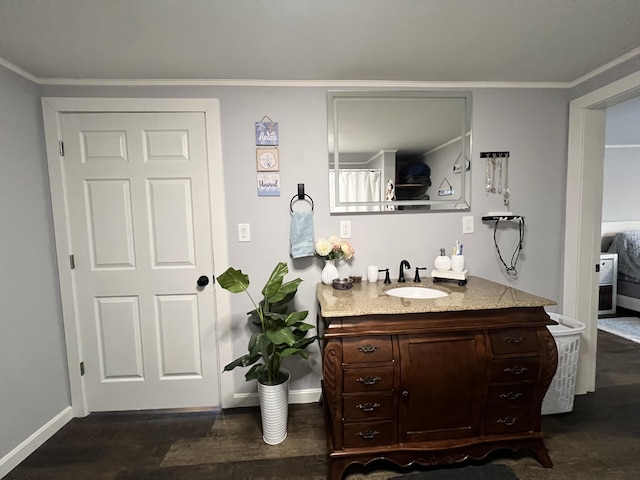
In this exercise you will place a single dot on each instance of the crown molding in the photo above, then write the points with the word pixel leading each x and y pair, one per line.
pixel 16 69
pixel 607 66
pixel 312 83
pixel 293 83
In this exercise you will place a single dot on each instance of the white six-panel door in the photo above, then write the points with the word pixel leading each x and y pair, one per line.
pixel 138 203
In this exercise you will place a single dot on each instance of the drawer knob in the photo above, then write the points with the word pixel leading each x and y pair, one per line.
pixel 513 339
pixel 369 380
pixel 368 348
pixel 405 393
pixel 367 406
pixel 511 395
pixel 516 370
pixel 508 421
pixel 368 434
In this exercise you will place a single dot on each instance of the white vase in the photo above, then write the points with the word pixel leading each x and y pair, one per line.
pixel 329 272
pixel 274 410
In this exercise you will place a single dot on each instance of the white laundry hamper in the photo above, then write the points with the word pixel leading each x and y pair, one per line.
pixel 559 397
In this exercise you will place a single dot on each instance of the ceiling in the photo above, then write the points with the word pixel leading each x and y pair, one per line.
pixel 317 40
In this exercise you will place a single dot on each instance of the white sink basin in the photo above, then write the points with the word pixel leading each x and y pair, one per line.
pixel 416 292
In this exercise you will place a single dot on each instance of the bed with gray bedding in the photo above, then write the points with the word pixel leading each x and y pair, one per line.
pixel 627 246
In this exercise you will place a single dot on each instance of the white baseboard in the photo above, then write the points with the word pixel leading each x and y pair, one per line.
pixel 12 459
pixel 309 395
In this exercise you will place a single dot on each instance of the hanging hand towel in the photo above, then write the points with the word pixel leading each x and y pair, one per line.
pixel 302 242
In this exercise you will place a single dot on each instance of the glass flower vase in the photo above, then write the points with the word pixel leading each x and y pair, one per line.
pixel 329 272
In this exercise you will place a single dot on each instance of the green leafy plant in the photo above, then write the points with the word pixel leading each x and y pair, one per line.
pixel 282 334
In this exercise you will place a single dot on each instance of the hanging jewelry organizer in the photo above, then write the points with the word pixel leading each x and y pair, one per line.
pixel 497 181
pixel 497 174
pixel 496 218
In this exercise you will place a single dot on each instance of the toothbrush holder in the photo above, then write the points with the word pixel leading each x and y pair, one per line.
pixel 457 263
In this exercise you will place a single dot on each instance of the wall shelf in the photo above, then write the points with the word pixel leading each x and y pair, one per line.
pixel 494 217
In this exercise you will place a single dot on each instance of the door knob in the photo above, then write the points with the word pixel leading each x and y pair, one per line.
pixel 203 281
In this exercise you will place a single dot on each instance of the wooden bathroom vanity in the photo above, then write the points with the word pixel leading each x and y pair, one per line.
pixel 433 381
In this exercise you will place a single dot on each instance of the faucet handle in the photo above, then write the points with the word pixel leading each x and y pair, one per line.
pixel 386 275
pixel 417 277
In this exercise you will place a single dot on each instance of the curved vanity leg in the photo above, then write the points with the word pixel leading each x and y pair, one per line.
pixel 541 454
pixel 337 468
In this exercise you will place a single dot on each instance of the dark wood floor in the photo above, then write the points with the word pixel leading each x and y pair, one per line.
pixel 599 440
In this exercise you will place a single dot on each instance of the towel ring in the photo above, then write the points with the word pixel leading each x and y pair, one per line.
pixel 300 196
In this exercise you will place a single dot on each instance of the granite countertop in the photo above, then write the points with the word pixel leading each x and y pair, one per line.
pixel 369 298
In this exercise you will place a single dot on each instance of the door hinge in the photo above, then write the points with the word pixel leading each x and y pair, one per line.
pixel 61 146
pixel 81 369
pixel 72 262
pixel 597 268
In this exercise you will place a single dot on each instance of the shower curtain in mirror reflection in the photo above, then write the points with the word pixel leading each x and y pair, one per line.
pixel 356 185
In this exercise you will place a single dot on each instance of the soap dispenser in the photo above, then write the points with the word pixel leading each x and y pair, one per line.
pixel 442 262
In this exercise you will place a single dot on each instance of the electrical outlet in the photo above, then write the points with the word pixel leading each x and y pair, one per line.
pixel 467 224
pixel 244 232
pixel 345 229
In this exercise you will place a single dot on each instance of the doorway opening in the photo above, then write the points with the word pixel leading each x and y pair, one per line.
pixel 584 213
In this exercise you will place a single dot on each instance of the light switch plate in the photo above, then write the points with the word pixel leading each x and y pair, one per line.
pixel 345 229
pixel 244 232
pixel 467 224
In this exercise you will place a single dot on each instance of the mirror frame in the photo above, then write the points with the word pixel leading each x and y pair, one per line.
pixel 460 203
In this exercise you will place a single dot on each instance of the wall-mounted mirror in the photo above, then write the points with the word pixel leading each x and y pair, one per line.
pixel 392 151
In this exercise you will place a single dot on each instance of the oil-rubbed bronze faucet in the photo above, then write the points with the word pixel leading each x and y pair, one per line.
pixel 416 279
pixel 403 264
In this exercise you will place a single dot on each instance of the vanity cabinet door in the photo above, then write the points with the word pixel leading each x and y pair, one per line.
pixel 441 386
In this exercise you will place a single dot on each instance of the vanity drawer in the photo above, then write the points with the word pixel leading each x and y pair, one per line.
pixel 514 340
pixel 514 370
pixel 508 420
pixel 367 349
pixel 368 379
pixel 510 395
pixel 367 406
pixel 368 434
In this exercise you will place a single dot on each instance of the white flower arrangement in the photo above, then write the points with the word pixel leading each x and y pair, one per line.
pixel 333 248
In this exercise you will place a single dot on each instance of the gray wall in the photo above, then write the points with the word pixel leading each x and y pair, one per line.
pixel 33 371
pixel 531 124
pixel 620 195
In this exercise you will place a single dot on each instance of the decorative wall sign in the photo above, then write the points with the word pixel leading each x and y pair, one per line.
pixel 268 184
pixel 267 159
pixel 457 167
pixel 267 132
pixel 445 188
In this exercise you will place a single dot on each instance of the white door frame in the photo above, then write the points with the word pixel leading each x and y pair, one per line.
pixel 583 214
pixel 53 108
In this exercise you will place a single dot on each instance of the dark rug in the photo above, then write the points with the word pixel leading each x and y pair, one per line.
pixel 491 471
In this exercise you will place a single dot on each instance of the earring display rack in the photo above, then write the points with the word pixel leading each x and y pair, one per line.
pixel 497 174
